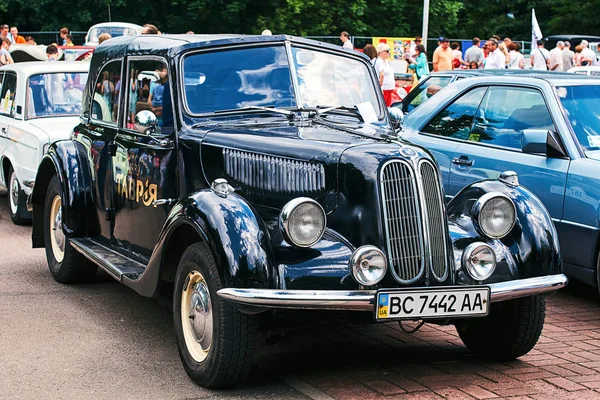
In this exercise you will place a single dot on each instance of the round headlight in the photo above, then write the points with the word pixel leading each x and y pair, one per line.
pixel 479 260
pixel 495 214
pixel 368 265
pixel 302 222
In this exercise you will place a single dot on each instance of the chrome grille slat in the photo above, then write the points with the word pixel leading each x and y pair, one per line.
pixel 278 175
pixel 436 220
pixel 402 221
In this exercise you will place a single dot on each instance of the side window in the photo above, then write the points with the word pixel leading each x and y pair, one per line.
pixel 456 119
pixel 105 104
pixel 506 112
pixel 7 96
pixel 430 87
pixel 148 89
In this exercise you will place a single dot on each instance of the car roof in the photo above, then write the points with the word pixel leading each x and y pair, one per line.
pixel 556 79
pixel 487 72
pixel 116 24
pixel 41 67
pixel 567 37
pixel 171 45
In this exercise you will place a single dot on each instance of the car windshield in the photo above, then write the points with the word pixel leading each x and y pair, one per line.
pixel 113 31
pixel 55 95
pixel 261 76
pixel 581 105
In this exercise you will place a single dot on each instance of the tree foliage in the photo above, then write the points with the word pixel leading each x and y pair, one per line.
pixel 452 18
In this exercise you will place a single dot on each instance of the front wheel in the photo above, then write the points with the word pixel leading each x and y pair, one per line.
pixel 216 342
pixel 510 331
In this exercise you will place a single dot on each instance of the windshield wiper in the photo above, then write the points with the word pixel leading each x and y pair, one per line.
pixel 322 109
pixel 260 108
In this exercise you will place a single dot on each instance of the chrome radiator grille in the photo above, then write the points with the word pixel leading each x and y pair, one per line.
pixel 402 221
pixel 436 222
pixel 274 174
pixel 414 221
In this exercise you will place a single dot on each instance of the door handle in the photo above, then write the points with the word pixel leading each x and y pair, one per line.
pixel 462 160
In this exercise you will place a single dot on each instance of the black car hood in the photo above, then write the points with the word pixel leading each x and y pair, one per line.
pixel 270 164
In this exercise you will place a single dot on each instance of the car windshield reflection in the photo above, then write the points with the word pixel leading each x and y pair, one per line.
pixel 262 77
pixel 55 95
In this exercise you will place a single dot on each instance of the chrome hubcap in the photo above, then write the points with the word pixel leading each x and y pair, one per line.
pixel 196 316
pixel 14 193
pixel 57 236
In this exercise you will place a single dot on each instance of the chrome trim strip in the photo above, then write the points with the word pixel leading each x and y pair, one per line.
pixel 364 300
pixel 562 221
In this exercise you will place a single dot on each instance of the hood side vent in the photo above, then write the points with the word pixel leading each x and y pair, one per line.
pixel 276 175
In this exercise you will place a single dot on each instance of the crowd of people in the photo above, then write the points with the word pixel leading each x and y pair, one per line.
pixel 493 54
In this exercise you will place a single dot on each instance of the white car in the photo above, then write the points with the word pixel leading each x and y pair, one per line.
pixel 591 70
pixel 115 29
pixel 40 103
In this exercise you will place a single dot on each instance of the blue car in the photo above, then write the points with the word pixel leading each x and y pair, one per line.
pixel 546 128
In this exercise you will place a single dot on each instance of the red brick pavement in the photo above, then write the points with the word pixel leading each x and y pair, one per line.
pixel 364 362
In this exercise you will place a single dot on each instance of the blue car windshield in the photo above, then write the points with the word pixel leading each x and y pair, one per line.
pixel 581 105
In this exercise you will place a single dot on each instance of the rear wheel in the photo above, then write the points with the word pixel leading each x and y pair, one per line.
pixel 510 331
pixel 216 341
pixel 65 263
pixel 16 199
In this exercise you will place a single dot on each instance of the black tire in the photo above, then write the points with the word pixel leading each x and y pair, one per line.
pixel 229 355
pixel 598 272
pixel 16 201
pixel 510 331
pixel 73 267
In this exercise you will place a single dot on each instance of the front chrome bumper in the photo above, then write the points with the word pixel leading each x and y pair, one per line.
pixel 364 300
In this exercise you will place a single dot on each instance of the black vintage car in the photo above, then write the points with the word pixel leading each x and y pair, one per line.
pixel 250 174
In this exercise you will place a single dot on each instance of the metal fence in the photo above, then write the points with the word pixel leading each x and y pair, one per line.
pixel 50 37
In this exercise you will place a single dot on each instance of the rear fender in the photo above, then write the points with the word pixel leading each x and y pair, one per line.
pixel 67 160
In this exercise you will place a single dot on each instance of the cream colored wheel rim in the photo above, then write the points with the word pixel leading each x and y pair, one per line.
pixel 57 236
pixel 196 316
pixel 14 193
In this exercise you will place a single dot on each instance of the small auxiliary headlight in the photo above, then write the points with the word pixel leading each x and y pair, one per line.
pixel 495 215
pixel 302 222
pixel 479 260
pixel 368 265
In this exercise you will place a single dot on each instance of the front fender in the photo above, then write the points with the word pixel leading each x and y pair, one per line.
pixel 232 230
pixel 67 160
pixel 530 250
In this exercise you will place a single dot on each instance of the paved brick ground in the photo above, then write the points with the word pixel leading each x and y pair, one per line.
pixel 381 362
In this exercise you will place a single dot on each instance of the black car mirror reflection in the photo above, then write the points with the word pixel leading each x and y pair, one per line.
pixel 145 122
pixel 397 117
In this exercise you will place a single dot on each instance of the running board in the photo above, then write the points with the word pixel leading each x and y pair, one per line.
pixel 115 264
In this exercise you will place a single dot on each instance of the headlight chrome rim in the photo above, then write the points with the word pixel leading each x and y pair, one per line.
pixel 286 213
pixel 481 203
pixel 468 266
pixel 355 260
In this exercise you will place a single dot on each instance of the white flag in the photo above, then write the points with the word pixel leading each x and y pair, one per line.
pixel 536 33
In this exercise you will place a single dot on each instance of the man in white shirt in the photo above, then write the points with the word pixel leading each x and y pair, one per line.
pixel 540 57
pixel 474 53
pixel 588 54
pixel 345 38
pixel 496 59
pixel 556 56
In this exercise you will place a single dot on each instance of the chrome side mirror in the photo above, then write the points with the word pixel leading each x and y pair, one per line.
pixel 397 117
pixel 145 122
